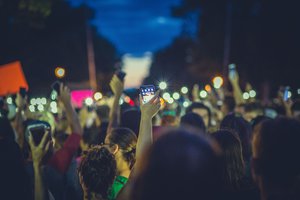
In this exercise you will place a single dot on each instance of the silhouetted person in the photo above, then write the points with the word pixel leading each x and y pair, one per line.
pixel 276 160
pixel 180 165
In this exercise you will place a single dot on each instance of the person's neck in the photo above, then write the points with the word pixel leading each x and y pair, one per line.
pixel 124 172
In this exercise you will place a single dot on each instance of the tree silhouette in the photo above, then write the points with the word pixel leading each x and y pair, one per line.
pixel 50 34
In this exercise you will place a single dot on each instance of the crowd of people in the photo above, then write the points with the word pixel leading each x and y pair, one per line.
pixel 218 148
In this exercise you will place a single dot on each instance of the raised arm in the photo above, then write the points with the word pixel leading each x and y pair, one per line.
pixel 38 152
pixel 237 92
pixel 72 116
pixel 117 87
pixel 18 122
pixel 148 111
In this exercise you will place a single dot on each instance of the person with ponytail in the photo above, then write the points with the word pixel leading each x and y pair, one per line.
pixel 122 143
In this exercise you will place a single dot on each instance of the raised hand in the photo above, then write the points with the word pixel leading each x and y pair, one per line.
pixel 234 78
pixel 64 94
pixel 20 101
pixel 116 85
pixel 39 150
pixel 151 108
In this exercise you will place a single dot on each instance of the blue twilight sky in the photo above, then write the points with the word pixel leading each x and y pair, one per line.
pixel 135 26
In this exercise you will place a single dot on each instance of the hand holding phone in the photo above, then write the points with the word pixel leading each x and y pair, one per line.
pixel 147 92
pixel 286 92
pixel 23 92
pixel 232 73
pixel 121 75
pixel 37 132
pixel 56 87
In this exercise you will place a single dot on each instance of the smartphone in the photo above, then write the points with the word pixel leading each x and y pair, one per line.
pixel 286 93
pixel 23 92
pixel 37 131
pixel 147 92
pixel 121 75
pixel 56 86
pixel 232 71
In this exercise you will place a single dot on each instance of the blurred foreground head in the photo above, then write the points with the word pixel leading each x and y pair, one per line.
pixel 180 165
pixel 276 160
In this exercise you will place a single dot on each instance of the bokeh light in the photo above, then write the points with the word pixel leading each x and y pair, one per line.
pixel 163 85
pixel 176 95
pixel 98 96
pixel 218 82
pixel 246 96
pixel 184 90
pixel 60 72
pixel 203 94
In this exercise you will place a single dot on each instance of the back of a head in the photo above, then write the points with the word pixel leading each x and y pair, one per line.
pixel 193 120
pixel 131 119
pixel 98 170
pixel 276 149
pixel 233 169
pixel 229 102
pixel 180 166
pixel 126 141
pixel 198 105
pixel 242 128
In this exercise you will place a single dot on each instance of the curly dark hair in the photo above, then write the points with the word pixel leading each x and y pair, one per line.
pixel 98 170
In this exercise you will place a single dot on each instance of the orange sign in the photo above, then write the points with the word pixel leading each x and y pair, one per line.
pixel 11 78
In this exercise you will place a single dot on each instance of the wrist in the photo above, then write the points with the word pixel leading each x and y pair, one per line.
pixel 118 94
pixel 36 165
pixel 145 117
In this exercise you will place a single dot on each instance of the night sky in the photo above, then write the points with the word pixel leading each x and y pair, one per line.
pixel 135 26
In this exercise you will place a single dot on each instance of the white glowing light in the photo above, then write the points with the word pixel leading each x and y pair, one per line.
pixel 53 104
pixel 54 110
pixel 203 94
pixel 246 95
pixel 252 93
pixel 121 101
pixel 38 100
pixel 170 100
pixel 31 108
pixel 44 101
pixel 289 94
pixel 40 107
pixel 88 101
pixel 184 90
pixel 32 101
pixel 98 96
pixel 163 85
pixel 185 104
pixel 9 100
pixel 166 96
pixel 176 95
